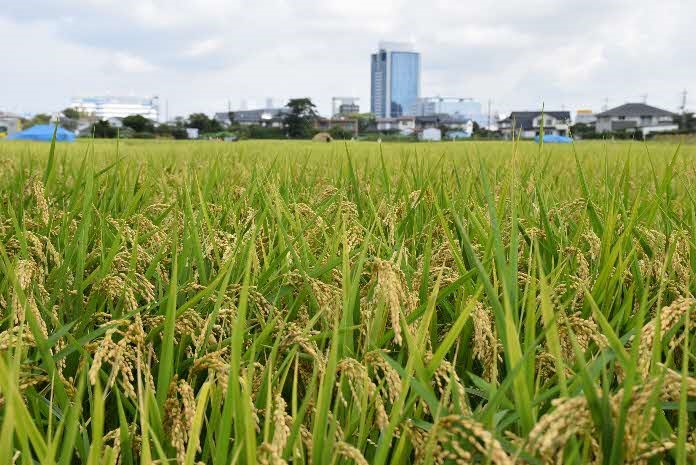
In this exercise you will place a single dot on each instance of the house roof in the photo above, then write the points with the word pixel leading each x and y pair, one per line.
pixel 525 119
pixel 635 109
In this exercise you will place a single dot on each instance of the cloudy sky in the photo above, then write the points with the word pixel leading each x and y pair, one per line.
pixel 200 54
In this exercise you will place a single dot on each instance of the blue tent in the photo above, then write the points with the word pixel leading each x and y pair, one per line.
pixel 554 139
pixel 43 133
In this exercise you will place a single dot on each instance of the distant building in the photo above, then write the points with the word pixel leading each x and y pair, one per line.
pixel 192 133
pixel 634 117
pixel 266 117
pixel 430 134
pixel 394 80
pixel 403 124
pixel 9 124
pixel 117 107
pixel 343 106
pixel 529 123
pixel 459 107
pixel 446 121
pixel 347 124
pixel 458 135
pixel 585 117
pixel 115 122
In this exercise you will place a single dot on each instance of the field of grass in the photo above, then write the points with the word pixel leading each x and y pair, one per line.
pixel 293 302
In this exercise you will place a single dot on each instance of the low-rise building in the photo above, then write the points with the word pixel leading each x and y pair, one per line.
pixel 449 122
pixel 402 124
pixel 462 108
pixel 347 124
pixel 105 107
pixel 528 123
pixel 266 117
pixel 9 124
pixel 342 106
pixel 430 134
pixel 585 117
pixel 633 117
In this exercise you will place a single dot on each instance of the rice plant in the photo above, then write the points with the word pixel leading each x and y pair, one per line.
pixel 301 303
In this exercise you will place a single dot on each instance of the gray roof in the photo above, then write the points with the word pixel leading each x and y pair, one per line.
pixel 633 110
pixel 525 119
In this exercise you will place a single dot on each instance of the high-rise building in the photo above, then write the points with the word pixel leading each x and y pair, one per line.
pixel 395 79
pixel 117 107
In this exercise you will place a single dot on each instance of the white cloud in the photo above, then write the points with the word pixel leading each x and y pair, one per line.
pixel 203 47
pixel 130 63
pixel 200 53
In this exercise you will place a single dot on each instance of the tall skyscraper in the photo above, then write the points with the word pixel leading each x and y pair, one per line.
pixel 395 80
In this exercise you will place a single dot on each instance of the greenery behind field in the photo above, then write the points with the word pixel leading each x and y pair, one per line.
pixel 298 302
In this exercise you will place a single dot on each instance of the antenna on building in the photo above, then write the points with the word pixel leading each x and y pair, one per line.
pixel 683 108
pixel 605 107
pixel 644 97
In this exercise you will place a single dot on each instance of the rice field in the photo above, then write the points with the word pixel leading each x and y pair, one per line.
pixel 302 303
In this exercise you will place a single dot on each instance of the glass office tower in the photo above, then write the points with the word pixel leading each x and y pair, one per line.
pixel 395 80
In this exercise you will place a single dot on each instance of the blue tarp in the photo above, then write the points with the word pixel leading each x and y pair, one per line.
pixel 553 139
pixel 43 132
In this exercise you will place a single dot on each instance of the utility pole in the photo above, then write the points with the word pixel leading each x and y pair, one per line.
pixel 683 109
pixel 489 115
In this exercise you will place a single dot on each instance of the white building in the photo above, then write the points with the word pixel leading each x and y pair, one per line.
pixel 633 117
pixel 458 107
pixel 344 106
pixel 585 117
pixel 117 107
pixel 527 124
pixel 430 134
pixel 9 124
pixel 404 124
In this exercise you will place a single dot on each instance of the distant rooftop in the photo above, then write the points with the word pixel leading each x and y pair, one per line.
pixel 635 109
pixel 113 99
pixel 396 46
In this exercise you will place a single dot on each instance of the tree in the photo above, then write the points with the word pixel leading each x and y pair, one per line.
pixel 338 133
pixel 583 131
pixel 204 124
pixel 366 121
pixel 300 120
pixel 139 124
pixel 103 130
pixel 686 122
pixel 41 118
pixel 71 113
pixel 176 131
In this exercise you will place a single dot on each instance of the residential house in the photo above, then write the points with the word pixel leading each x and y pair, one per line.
pixel 266 117
pixel 9 124
pixel 404 124
pixel 347 124
pixel 430 134
pixel 528 123
pixel 632 117
pixel 585 117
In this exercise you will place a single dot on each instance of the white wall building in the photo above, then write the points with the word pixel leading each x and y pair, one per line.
pixel 404 124
pixel 632 117
pixel 430 134
pixel 106 107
